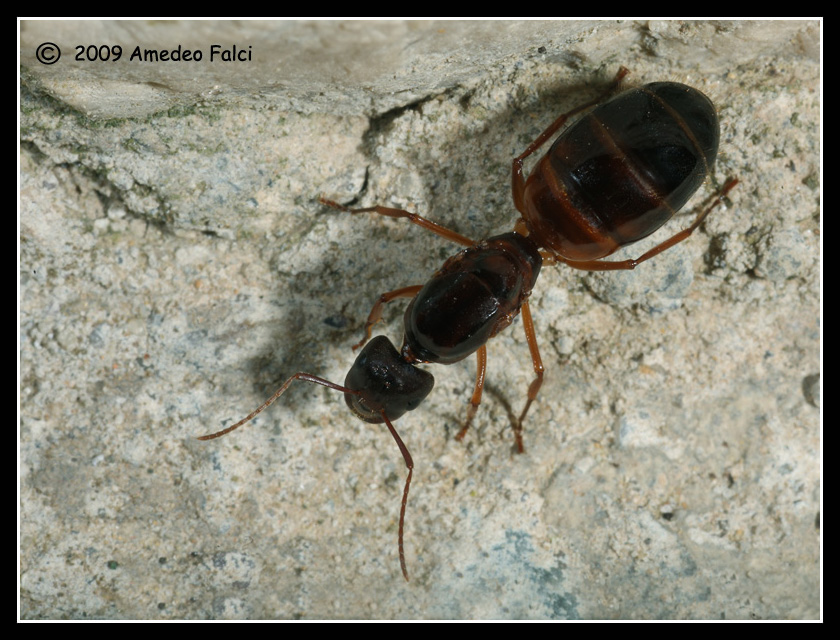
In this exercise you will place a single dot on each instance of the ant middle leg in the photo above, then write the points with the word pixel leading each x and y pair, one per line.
pixel 414 218
pixel 481 371
pixel 536 383
pixel 533 388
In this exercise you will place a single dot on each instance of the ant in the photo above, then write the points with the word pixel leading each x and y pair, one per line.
pixel 614 177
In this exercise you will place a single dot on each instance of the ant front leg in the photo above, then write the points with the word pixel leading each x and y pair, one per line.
pixel 414 218
pixel 554 127
pixel 376 313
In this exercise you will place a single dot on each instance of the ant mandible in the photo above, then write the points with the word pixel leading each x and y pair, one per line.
pixel 615 177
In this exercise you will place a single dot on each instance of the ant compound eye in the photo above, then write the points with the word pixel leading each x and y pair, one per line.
pixel 358 406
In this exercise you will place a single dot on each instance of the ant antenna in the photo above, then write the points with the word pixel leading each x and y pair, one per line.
pixel 409 463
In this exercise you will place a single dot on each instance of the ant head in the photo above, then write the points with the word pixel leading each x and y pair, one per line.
pixel 385 382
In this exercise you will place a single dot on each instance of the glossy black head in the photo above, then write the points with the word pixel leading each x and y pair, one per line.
pixel 385 382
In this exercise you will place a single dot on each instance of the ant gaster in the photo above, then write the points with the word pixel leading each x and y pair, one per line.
pixel 615 177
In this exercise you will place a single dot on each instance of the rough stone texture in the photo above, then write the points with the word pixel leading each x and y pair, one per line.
pixel 176 267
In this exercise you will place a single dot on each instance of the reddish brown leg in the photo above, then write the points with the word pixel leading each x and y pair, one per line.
pixel 536 383
pixel 518 178
pixel 414 218
pixel 606 265
pixel 481 370
pixel 376 313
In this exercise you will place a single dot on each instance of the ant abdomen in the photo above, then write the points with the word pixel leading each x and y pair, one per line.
pixel 622 170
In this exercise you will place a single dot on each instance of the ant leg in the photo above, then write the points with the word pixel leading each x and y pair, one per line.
pixel 606 265
pixel 481 370
pixel 414 218
pixel 518 178
pixel 536 383
pixel 376 313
